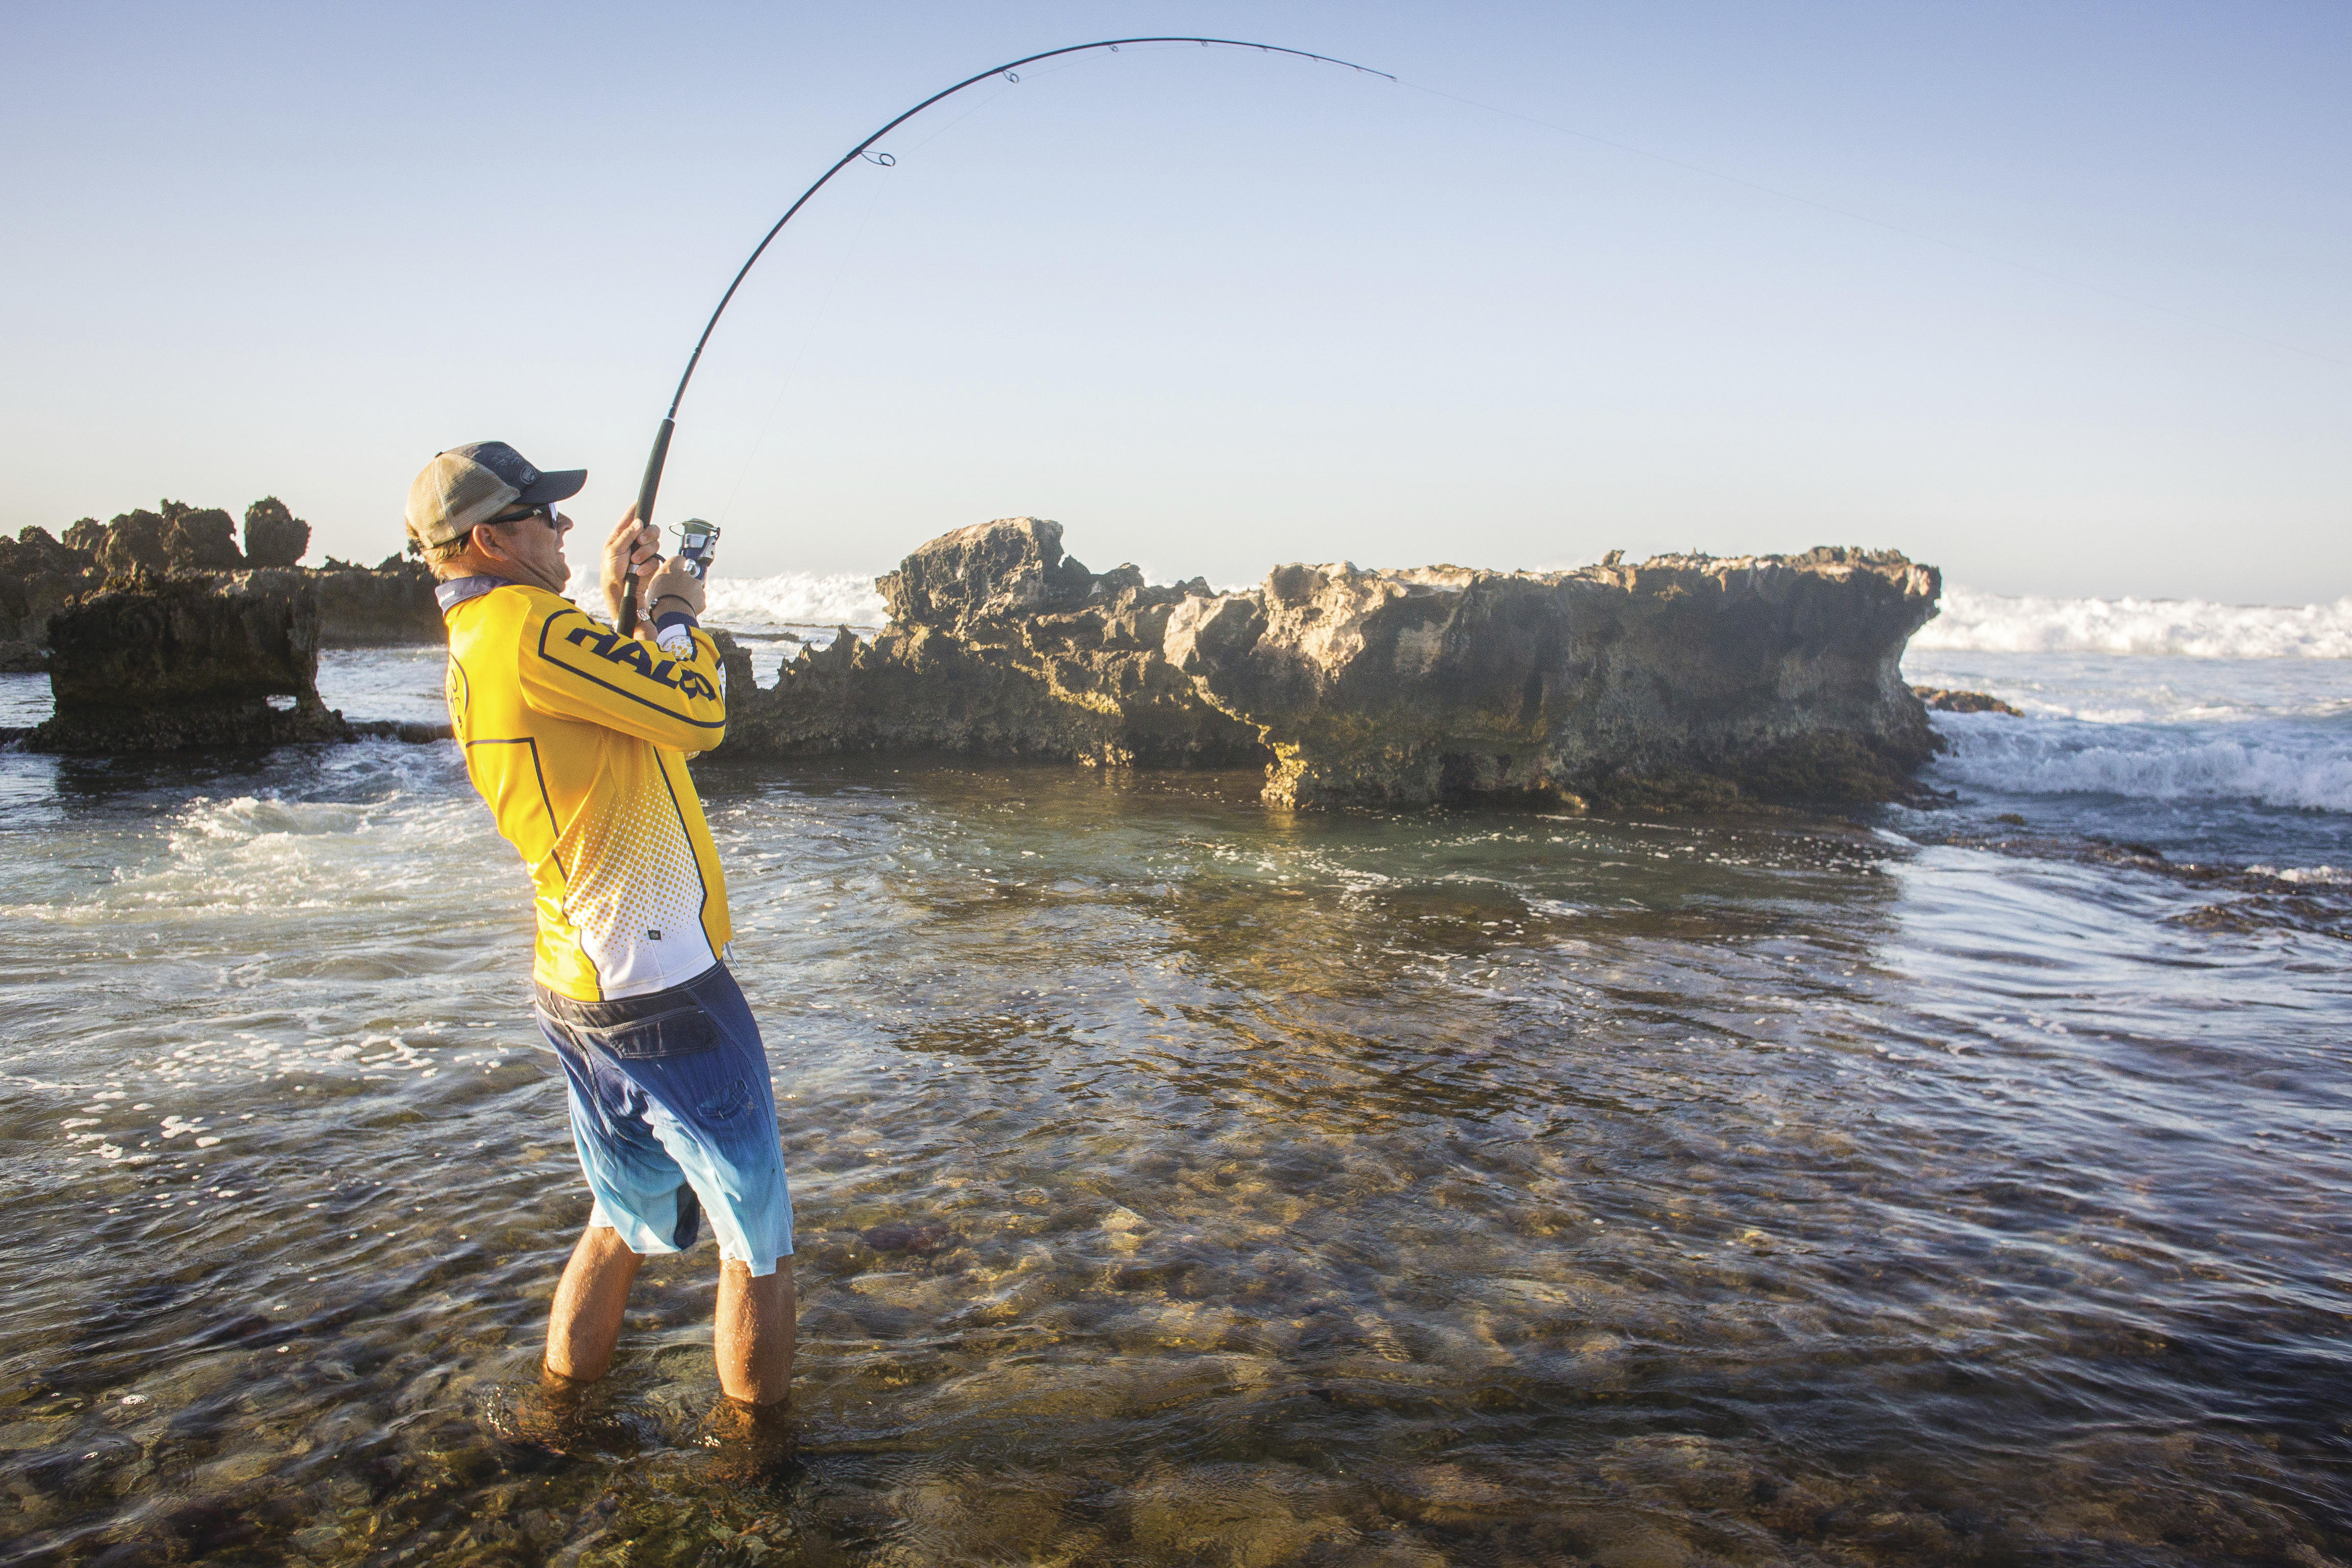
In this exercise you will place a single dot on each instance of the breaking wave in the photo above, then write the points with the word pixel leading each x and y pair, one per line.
pixel 2190 628
pixel 2296 766
pixel 795 599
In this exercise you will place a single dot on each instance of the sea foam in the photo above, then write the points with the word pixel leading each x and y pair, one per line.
pixel 2192 628
pixel 2305 767
pixel 795 599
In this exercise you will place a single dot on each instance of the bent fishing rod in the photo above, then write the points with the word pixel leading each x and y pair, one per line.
pixel 698 545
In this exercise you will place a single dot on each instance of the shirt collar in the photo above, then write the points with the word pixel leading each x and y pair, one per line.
pixel 457 590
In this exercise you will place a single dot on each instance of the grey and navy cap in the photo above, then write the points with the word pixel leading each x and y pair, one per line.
pixel 469 484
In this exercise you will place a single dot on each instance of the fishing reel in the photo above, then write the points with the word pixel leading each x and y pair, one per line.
pixel 696 541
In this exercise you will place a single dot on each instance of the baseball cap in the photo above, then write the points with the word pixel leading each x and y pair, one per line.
pixel 469 485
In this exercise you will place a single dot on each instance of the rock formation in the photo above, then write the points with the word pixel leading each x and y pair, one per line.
pixel 1940 700
pixel 358 606
pixel 388 603
pixel 177 663
pixel 37 575
pixel 1681 681
pixel 1000 645
pixel 274 536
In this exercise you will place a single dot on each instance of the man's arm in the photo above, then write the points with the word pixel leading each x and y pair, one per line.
pixel 575 667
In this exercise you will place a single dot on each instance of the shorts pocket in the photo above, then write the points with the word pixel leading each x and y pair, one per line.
pixel 724 1103
pixel 686 1032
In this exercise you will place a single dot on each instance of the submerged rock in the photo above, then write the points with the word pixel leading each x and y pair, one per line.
pixel 1940 700
pixel 1684 681
pixel 177 663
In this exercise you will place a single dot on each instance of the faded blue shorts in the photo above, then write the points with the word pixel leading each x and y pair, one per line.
pixel 674 1117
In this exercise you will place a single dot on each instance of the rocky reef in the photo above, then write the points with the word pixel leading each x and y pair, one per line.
pixel 1683 681
pixel 998 646
pixel 358 606
pixel 172 664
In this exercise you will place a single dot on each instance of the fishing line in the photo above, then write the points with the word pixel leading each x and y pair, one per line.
pixel 1952 245
pixel 651 485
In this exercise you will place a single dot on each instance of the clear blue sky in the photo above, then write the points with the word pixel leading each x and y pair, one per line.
pixel 1215 309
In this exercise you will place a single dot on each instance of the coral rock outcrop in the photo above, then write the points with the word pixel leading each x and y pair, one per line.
pixel 1000 645
pixel 37 575
pixel 274 536
pixel 358 606
pixel 1683 681
pixel 180 663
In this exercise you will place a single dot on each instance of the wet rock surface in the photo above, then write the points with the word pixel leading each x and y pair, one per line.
pixel 1940 700
pixel 181 663
pixel 1682 682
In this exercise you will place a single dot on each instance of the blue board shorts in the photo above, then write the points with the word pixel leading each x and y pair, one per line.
pixel 674 1117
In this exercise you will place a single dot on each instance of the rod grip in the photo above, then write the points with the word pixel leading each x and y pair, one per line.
pixel 646 491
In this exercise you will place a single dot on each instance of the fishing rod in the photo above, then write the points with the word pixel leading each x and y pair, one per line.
pixel 698 545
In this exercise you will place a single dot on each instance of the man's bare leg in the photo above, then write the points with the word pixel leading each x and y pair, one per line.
pixel 589 1300
pixel 755 1333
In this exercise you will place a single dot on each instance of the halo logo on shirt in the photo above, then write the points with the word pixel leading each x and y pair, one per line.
pixel 615 648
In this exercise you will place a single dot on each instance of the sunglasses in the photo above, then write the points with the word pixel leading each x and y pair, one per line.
pixel 547 513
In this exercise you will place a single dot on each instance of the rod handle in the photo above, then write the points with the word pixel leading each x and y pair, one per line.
pixel 646 491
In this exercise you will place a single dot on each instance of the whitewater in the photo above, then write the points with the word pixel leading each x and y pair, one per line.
pixel 1972 622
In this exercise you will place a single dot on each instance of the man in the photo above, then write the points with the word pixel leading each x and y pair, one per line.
pixel 578 739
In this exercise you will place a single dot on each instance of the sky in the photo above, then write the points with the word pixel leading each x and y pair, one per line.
pixel 2056 297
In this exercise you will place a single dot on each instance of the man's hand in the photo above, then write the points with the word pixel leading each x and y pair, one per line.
pixel 629 548
pixel 664 589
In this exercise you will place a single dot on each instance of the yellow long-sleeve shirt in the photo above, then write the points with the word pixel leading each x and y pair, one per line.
pixel 578 737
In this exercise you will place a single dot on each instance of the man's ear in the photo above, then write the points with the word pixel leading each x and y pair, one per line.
pixel 488 545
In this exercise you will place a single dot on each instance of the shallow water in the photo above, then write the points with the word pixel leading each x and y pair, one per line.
pixel 1179 1182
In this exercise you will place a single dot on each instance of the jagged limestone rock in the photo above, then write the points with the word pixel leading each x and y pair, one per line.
pixel 274 536
pixel 377 606
pixel 177 664
pixel 1003 647
pixel 38 574
pixel 199 539
pixel 358 606
pixel 1683 681
pixel 133 544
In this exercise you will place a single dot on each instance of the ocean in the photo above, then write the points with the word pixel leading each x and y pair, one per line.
pixel 1178 1182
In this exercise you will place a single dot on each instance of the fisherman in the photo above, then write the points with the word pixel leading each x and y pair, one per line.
pixel 578 739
